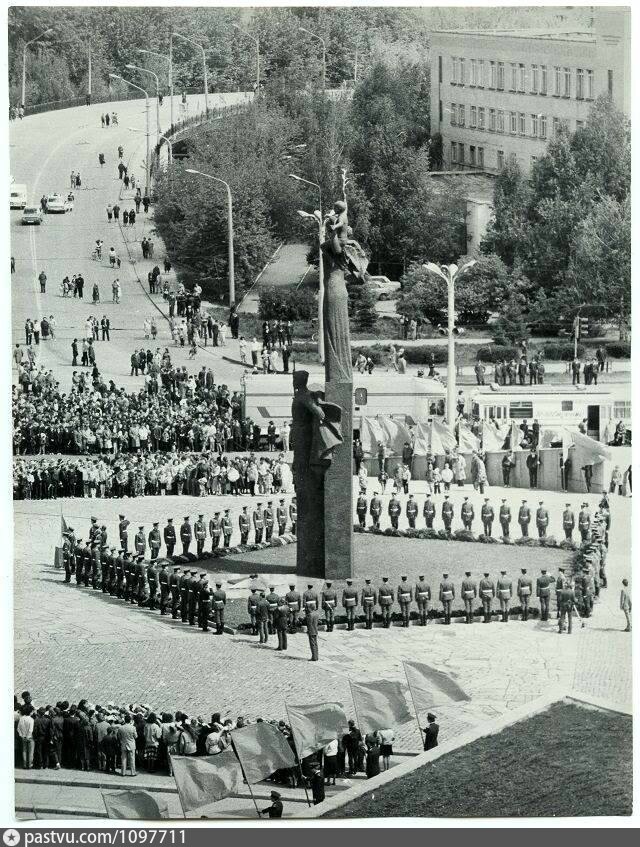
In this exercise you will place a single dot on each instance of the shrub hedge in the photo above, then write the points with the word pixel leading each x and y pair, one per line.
pixel 618 349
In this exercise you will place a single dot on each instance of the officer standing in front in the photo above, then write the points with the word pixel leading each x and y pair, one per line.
pixel 140 542
pixel 412 512
pixel 368 602
pixel 174 587
pixel 252 606
pixel 447 513
pixel 329 603
pixel 281 517
pixel 258 522
pixel 204 602
pixel 310 598
pixel 467 514
pixel 446 595
pixel 268 521
pixel 469 591
pixel 200 532
pixel 293 515
pixel 403 596
pixel 186 535
pixel 349 602
pixel 123 533
pixel 227 528
pixel 422 594
pixel 185 583
pixel 262 617
pixel 429 512
pixel 272 604
pixel 170 537
pixel 244 525
pixel 542 520
pixel 395 510
pixel 487 593
pixel 525 586
pixel 152 579
pixel 154 541
pixel 543 593
pixel 282 619
pixel 163 580
pixel 375 510
pixel 361 510
pixel 584 522
pixel 293 601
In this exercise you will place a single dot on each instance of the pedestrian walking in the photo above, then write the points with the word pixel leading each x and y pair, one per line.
pixel 312 619
pixel 625 603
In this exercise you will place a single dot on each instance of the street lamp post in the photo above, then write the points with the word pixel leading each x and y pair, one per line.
pixel 146 98
pixel 168 59
pixel 170 145
pixel 24 63
pixel 155 76
pixel 256 39
pixel 232 280
pixel 324 56
pixel 204 65
pixel 318 218
pixel 450 273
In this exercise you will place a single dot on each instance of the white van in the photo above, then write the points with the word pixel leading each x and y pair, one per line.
pixel 17 196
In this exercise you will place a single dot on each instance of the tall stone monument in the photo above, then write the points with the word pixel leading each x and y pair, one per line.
pixel 321 432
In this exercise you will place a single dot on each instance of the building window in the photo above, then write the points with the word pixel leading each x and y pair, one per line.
pixel 500 120
pixel 492 120
pixel 534 159
pixel 534 79
pixel 461 72
pixel 493 75
pixel 454 71
pixel 567 83
pixel 514 77
pixel 481 157
pixel 566 405
pixel 522 409
pixel 622 409
pixel 440 69
pixel 454 114
pixel 543 126
pixel 461 154
pixel 522 78
pixel 454 153
pixel 579 84
pixel 500 159
pixel 579 125
pixel 472 155
pixel 474 73
pixel 472 117
pixel 543 79
pixel 610 83
pixel 481 123
pixel 522 123
pixel 534 126
pixel 590 85
pixel 440 110
pixel 513 123
pixel 500 85
pixel 481 73
pixel 556 126
pixel 461 115
pixel 557 81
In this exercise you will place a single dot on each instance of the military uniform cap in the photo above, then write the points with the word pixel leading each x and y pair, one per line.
pixel 486 573
pixel 216 513
pixel 155 523
pixel 141 527
pixel 292 585
pixel 420 576
pixel 310 584
pixel 218 584
pixel 139 558
pixel 272 588
pixel 445 573
pixel 204 573
pixel 524 570
pixel 176 567
pixel 169 520
pixel 186 517
pixel 226 511
pixel 193 573
pixel 502 571
pixel 200 516
pixel 328 581
pixel 504 499
pixel 121 517
pixel 467 573
pixel 349 581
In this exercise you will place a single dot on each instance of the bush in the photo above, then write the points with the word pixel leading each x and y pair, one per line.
pixel 618 349
pixel 421 354
pixel 287 304
pixel 561 351
pixel 497 352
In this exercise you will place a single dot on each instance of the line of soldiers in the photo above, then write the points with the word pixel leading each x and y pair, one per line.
pixel 219 529
pixel 467 515
pixel 270 613
pixel 152 584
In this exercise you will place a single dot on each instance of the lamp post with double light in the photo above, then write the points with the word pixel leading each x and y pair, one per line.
pixel 24 63
pixel 256 40
pixel 204 64
pixel 168 59
pixel 146 99
pixel 324 55
pixel 155 76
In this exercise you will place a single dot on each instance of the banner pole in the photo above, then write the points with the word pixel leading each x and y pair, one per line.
pixel 293 736
pixel 233 747
pixel 355 709
pixel 415 708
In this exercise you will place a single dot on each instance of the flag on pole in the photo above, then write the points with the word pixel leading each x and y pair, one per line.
pixel 315 726
pixel 587 450
pixel 201 780
pixel 492 439
pixel 467 440
pixel 63 526
pixel 370 434
pixel 262 750
pixel 430 687
pixel 422 443
pixel 396 432
pixel 134 805
pixel 514 436
pixel 447 440
pixel 380 705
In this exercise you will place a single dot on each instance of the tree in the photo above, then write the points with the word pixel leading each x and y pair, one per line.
pixel 364 307
pixel 506 232
pixel 511 326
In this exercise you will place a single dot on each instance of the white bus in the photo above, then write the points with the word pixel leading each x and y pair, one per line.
pixel 556 405
pixel 410 399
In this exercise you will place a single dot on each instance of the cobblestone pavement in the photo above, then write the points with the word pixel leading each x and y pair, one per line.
pixel 73 643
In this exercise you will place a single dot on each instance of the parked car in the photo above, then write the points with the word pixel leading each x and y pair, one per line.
pixel 58 203
pixel 32 215
pixel 17 196
pixel 382 287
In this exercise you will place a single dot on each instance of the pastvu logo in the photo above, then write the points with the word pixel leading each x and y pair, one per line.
pixel 11 837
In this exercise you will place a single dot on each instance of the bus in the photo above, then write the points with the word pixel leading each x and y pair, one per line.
pixel 556 405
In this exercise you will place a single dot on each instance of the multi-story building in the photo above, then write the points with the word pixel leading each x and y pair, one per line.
pixel 502 94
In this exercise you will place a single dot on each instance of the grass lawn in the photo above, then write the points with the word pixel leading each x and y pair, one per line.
pixel 377 556
pixel 569 761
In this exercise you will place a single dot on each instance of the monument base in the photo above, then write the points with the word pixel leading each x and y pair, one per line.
pixel 338 495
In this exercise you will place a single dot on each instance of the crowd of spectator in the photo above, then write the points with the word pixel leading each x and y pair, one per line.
pixel 127 475
pixel 112 739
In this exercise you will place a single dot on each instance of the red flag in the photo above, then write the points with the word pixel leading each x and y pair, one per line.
pixel 134 805
pixel 431 687
pixel 201 780
pixel 262 750
pixel 315 726
pixel 380 704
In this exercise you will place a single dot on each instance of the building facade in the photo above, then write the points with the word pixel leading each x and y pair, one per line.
pixel 497 95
